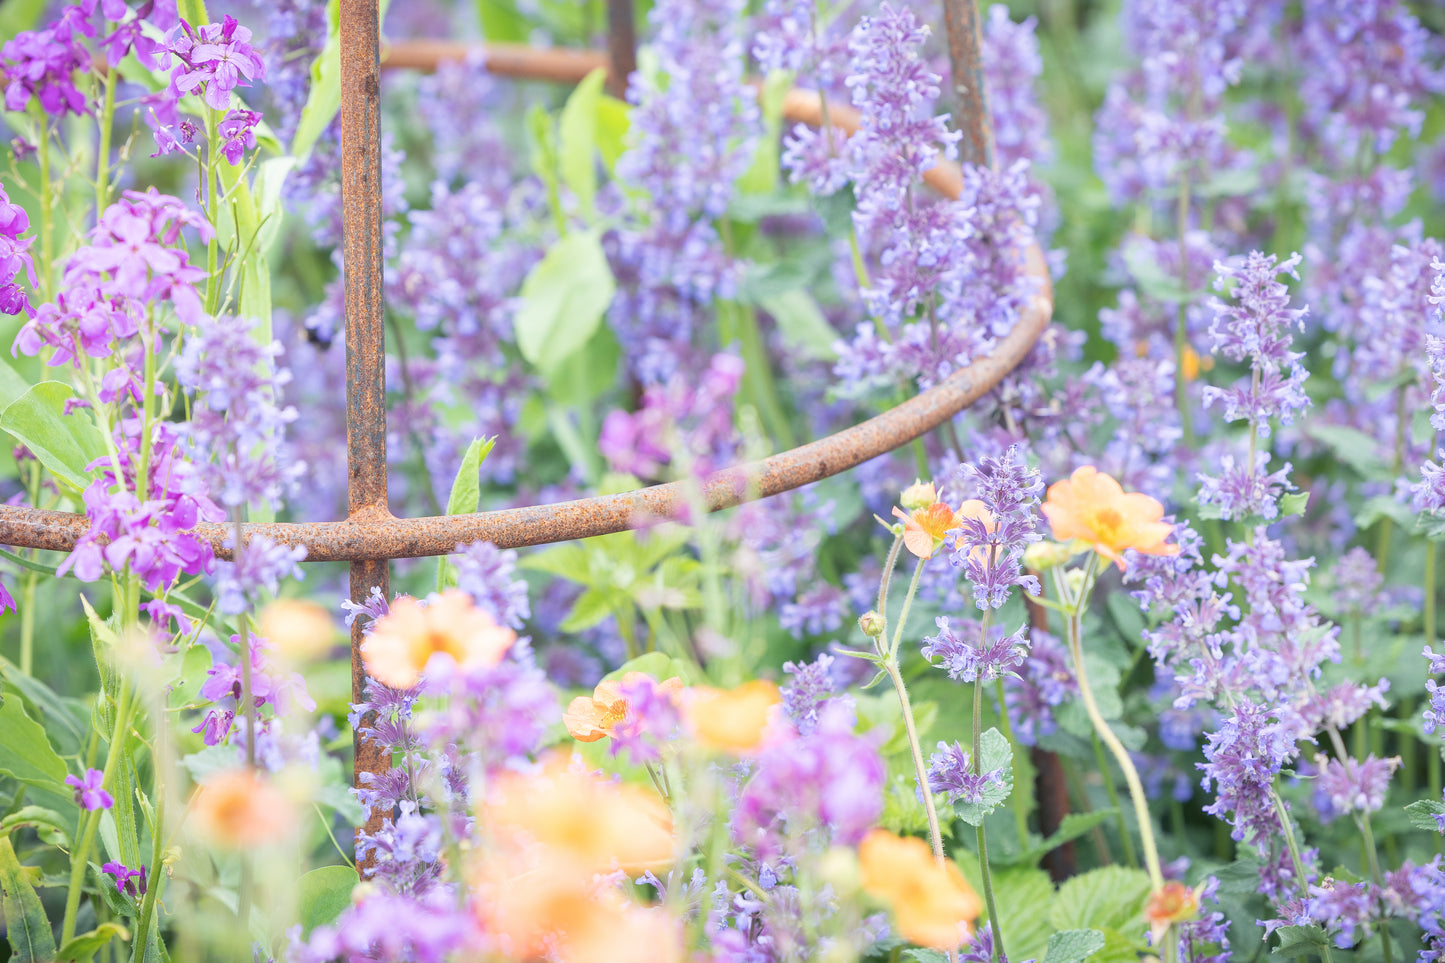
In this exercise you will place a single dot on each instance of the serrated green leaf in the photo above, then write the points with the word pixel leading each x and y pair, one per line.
pixel 577 141
pixel 323 894
pixel 1423 812
pixel 563 300
pixel 568 561
pixel 1293 503
pixel 65 444
pixel 1107 898
pixel 1358 449
pixel 802 323
pixel 922 954
pixel 1073 946
pixel 1300 940
pixel 26 928
pixel 591 608
pixel 997 755
pixel 82 948
pixel 1384 506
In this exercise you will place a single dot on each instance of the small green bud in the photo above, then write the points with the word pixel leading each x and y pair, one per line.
pixel 918 495
pixel 872 624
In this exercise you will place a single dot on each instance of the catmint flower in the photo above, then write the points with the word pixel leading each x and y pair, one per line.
pixel 1352 786
pixel 989 546
pixel 1434 715
pixel 1342 907
pixel 296 32
pixel 966 657
pixel 1036 688
pixel 687 422
pixel 810 690
pixel 261 564
pixel 1357 583
pixel 89 793
pixel 123 879
pixel 949 772
pixel 238 425
pixel 218 57
pixel 486 572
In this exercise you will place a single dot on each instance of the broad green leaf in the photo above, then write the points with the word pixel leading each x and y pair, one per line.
pixel 324 99
pixel 26 928
pixel 1107 898
pixel 1073 946
pixel 502 22
pixel 659 665
pixel 591 608
pixel 324 893
pixel 569 561
pixel 563 300
pixel 1431 525
pixel 1384 506
pixel 802 323
pixel 1423 812
pixel 26 755
pixel 12 384
pixel 211 760
pixel 66 720
pixel 82 948
pixel 577 141
pixel 1293 503
pixel 239 233
pixel 922 954
pixel 65 444
pixel 1359 450
pixel 466 496
pixel 1301 941
pixel 1024 897
pixel 997 755
pixel 48 824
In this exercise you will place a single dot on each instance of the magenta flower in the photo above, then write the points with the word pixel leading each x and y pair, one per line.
pixel 123 877
pixel 218 56
pixel 42 63
pixel 239 130
pixel 88 791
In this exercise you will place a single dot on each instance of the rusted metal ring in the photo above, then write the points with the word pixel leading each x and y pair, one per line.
pixel 372 533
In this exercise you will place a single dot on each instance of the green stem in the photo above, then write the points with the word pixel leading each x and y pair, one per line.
pixel 1379 881
pixel 102 152
pixel 90 820
pixel 213 283
pixel 1294 854
pixel 27 622
pixel 157 877
pixel 47 203
pixel 1431 549
pixel 903 615
pixel 981 836
pixel 1126 838
pixel 887 578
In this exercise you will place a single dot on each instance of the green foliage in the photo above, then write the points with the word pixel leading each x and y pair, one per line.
pixel 577 141
pixel 1109 899
pixel 82 948
pixel 1423 812
pixel 26 928
pixel 324 893
pixel 997 754
pixel 563 300
pixel 1073 946
pixel 465 499
pixel 1301 941
pixel 26 755
pixel 65 444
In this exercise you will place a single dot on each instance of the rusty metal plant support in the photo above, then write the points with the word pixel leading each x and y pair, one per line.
pixel 371 535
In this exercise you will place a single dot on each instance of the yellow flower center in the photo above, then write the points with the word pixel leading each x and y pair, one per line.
pixel 1106 523
pixel 614 713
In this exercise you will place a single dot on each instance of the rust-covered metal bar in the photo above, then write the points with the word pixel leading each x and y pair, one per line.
pixel 621 46
pixel 965 55
pixel 557 64
pixel 361 223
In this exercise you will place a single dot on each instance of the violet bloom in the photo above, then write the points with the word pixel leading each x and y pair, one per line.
pixel 131 882
pixel 89 792
pixel 1342 908
pixel 808 693
pixel 429 927
pixel 270 685
pixel 259 566
pixel 1243 757
pixel 686 423
pixel 495 716
pixel 1040 685
pixel 218 57
pixel 129 34
pixel 1434 715
pixel 296 32
pixel 967 657
pixel 14 257
pixel 830 779
pixel 486 573
pixel 990 549
pixel 949 772
pixel 238 132
pixel 1352 786
pixel 237 427
pixel 42 64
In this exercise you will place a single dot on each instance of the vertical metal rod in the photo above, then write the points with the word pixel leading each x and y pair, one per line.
pixel 961 21
pixel 621 46
pixel 365 334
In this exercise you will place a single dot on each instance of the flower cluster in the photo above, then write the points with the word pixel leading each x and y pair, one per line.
pixel 686 424
pixel 14 257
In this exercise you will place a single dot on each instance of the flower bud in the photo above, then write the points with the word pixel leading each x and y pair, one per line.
pixel 872 624
pixel 1074 579
pixel 1042 556
pixel 918 495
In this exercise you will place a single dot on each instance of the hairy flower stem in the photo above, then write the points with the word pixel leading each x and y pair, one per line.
pixel 1126 838
pixel 1074 622
pixel 1292 845
pixel 47 204
pixel 102 150
pixel 1379 880
pixel 981 836
pixel 90 819
pixel 1017 801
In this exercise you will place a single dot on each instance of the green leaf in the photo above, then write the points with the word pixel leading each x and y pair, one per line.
pixel 1073 946
pixel 761 177
pixel 48 824
pixel 82 948
pixel 997 754
pixel 659 665
pixel 466 497
pixel 324 99
pixel 614 117
pixel 1423 813
pixel 563 300
pixel 239 232
pixel 577 141
pixel 26 755
pixel 1431 525
pixel 1151 278
pixel 12 384
pixel 64 444
pixel 211 760
pixel 66 720
pixel 1301 940
pixel 591 607
pixel 502 22
pixel 922 954
pixel 26 927
pixel 1359 450
pixel 802 323
pixel 1107 898
pixel 568 561
pixel 1384 506
pixel 324 893
pixel 1293 503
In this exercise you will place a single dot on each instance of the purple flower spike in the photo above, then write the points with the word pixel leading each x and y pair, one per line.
pixel 949 772
pixel 88 791
pixel 966 657
pixel 218 56
pixel 990 551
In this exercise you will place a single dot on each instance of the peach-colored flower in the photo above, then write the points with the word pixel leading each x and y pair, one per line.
pixel 591 719
pixel 592 823
pixel 734 720
pixel 238 809
pixel 449 627
pixel 933 905
pixel 1090 506
pixel 1172 903
pixel 924 529
pixel 299 630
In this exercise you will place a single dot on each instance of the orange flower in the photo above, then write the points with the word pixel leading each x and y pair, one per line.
pixel 933 905
pixel 924 529
pixel 1172 903
pixel 591 719
pixel 238 810
pixel 593 824
pixel 1091 507
pixel 733 720
pixel 405 641
pixel 299 630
